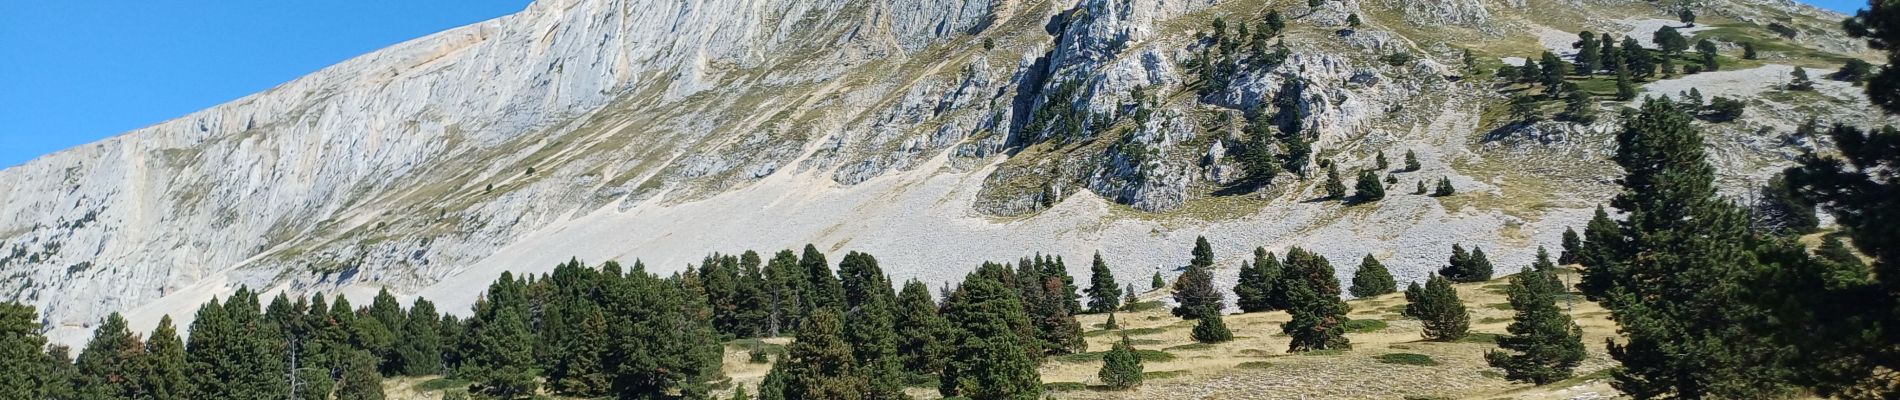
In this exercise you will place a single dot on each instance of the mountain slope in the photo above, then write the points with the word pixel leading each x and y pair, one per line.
pixel 919 131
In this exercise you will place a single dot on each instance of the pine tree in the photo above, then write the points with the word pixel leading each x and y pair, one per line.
pixel 1800 80
pixel 1580 108
pixel 581 368
pixel 1589 60
pixel 1335 189
pixel 920 346
pixel 1544 345
pixel 1411 161
pixel 1707 50
pixel 1674 273
pixel 1571 245
pixel 785 286
pixel 1194 292
pixel 825 290
pixel 1444 188
pixel 1625 87
pixel 1379 161
pixel 1748 51
pixel 360 379
pixel 1639 62
pixel 502 360
pixel 1121 366
pixel 1258 289
pixel 1543 264
pixel 420 350
pixel 1440 309
pixel 1467 267
pixel 114 359
pixel 872 333
pixel 989 358
pixel 660 340
pixel 1421 187
pixel 820 364
pixel 166 377
pixel 1318 322
pixel 1368 188
pixel 1372 279
pixel 1555 69
pixel 1210 328
pixel 1156 283
pixel 1312 299
pixel 22 364
pixel 1104 294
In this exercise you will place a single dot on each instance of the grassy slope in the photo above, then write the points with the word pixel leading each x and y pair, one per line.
pixel 1255 364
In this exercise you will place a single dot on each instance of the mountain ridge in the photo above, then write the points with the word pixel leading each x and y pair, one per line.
pixel 488 147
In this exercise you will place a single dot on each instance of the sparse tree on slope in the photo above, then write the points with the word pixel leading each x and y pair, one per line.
pixel 1259 286
pixel 1121 367
pixel 1372 279
pixel 1440 309
pixel 1194 291
pixel 1104 294
pixel 1544 344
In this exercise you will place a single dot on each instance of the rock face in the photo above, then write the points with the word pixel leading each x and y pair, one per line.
pixel 918 130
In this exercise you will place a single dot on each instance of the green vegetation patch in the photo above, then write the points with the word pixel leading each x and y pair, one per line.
pixel 1407 359
pixel 1141 306
pixel 441 384
pixel 1254 365
pixel 1064 386
pixel 1365 325
pixel 1191 346
pixel 1147 355
pixel 1130 332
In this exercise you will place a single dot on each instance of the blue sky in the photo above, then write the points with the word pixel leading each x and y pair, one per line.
pixel 76 71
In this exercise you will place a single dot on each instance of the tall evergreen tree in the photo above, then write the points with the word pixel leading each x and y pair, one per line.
pixel 1312 299
pixel 1121 366
pixel 1572 243
pixel 1372 279
pixel 820 364
pixel 1876 23
pixel 1156 283
pixel 580 370
pixel 360 380
pixel 1104 294
pixel 1259 286
pixel 989 359
pixel 420 350
pixel 825 290
pixel 1209 327
pixel 1674 273
pixel 1440 309
pixel 1335 188
pixel 785 287
pixel 166 377
pixel 1472 267
pixel 1544 345
pixel 1411 161
pixel 920 332
pixel 661 339
pixel 1194 292
pixel 501 360
pixel 1368 187
pixel 22 364
pixel 114 359
pixel 872 334
pixel 1589 60
pixel 1542 263
pixel 1058 330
